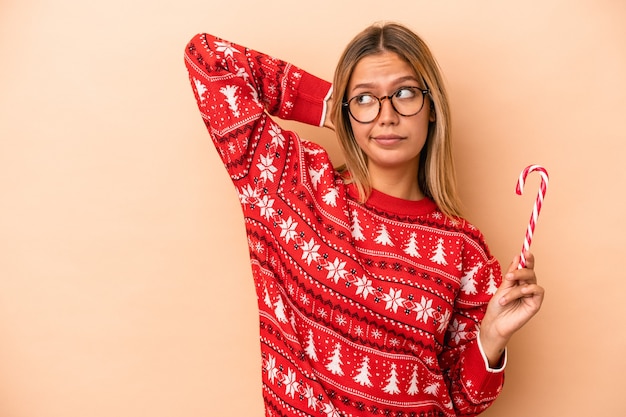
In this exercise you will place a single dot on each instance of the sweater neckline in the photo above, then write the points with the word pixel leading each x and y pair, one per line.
pixel 398 206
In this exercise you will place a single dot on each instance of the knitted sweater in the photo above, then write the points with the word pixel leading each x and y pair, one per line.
pixel 365 309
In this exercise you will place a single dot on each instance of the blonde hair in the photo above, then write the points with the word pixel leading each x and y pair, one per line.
pixel 436 175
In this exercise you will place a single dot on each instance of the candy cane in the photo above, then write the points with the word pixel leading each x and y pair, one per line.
pixel 536 209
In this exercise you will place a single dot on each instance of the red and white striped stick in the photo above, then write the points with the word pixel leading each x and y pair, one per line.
pixel 536 209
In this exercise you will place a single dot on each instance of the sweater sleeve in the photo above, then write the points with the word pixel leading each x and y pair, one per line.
pixel 237 89
pixel 473 385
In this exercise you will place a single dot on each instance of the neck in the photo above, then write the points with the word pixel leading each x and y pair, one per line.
pixel 401 183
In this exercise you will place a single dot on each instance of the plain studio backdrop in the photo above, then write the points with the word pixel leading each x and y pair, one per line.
pixel 125 288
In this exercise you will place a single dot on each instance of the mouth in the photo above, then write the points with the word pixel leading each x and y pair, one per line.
pixel 387 140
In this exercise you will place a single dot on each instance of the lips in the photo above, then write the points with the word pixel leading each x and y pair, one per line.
pixel 387 139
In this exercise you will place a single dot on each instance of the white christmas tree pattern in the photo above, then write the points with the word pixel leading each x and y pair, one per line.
pixel 413 389
pixel 200 89
pixel 468 283
pixel 230 92
pixel 410 247
pixel 316 175
pixel 363 375
pixel 383 236
pixel 310 349
pixel 492 287
pixel 392 381
pixel 335 363
pixel 330 197
pixel 439 256
pixel 279 311
pixel 432 388
pixel 357 230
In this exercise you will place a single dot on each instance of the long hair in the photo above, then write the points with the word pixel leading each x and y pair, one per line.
pixel 436 174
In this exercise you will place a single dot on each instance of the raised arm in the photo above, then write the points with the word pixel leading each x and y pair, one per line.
pixel 236 88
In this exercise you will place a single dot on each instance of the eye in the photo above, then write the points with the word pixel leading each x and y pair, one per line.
pixel 364 99
pixel 405 93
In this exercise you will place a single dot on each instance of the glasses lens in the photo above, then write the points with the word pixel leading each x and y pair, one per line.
pixel 364 107
pixel 408 101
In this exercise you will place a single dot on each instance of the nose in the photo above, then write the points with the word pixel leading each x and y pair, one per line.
pixel 388 114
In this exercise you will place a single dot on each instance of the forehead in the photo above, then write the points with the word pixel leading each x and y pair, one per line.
pixel 381 70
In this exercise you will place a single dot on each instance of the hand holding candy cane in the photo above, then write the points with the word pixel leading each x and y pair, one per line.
pixel 519 297
pixel 536 209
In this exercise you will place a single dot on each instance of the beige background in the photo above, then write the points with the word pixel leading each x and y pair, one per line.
pixel 124 284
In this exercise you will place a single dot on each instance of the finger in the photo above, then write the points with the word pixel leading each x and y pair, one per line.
pixel 509 279
pixel 521 276
pixel 530 291
pixel 530 260
pixel 516 276
pixel 513 264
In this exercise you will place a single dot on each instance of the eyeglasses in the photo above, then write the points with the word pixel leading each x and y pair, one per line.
pixel 406 101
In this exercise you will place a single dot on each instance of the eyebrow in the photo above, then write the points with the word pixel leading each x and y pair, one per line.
pixel 397 81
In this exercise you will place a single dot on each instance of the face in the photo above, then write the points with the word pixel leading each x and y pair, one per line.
pixel 391 142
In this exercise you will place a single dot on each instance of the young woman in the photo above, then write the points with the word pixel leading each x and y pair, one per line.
pixel 375 296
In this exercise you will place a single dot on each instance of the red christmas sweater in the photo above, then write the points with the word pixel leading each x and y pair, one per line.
pixel 365 309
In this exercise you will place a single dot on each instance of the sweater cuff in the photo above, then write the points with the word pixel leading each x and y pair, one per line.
pixel 326 109
pixel 480 380
pixel 503 358
pixel 310 102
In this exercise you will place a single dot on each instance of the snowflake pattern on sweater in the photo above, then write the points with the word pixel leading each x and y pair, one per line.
pixel 365 309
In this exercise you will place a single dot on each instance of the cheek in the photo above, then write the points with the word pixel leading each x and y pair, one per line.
pixel 360 132
pixel 421 124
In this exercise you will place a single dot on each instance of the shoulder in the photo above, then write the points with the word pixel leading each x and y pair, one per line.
pixel 468 232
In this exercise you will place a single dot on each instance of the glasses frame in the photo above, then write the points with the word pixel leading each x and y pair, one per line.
pixel 424 91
